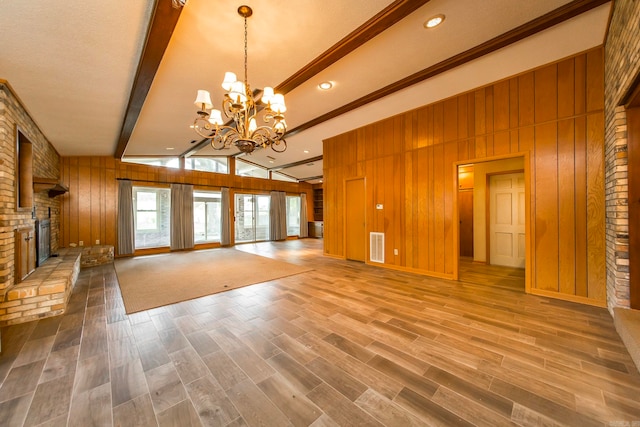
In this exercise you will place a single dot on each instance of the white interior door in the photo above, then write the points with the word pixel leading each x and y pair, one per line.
pixel 507 220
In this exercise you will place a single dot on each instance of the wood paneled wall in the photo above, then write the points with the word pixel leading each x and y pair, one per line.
pixel 553 115
pixel 89 208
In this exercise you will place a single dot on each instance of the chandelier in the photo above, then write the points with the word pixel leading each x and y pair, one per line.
pixel 240 106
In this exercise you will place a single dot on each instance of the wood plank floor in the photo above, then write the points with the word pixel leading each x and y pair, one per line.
pixel 345 344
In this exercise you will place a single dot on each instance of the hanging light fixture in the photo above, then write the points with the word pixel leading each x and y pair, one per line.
pixel 239 106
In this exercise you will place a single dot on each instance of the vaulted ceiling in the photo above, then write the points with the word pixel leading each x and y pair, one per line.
pixel 119 78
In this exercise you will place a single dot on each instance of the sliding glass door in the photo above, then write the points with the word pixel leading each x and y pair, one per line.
pixel 252 218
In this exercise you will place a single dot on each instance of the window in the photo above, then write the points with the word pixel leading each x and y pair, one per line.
pixel 152 214
pixel 207 164
pixel 252 217
pixel 167 162
pixel 207 211
pixel 276 176
pixel 249 169
pixel 293 215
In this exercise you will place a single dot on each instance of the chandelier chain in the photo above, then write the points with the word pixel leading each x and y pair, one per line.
pixel 246 77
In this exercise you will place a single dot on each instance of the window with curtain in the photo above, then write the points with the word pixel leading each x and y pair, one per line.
pixel 152 208
pixel 207 216
pixel 293 215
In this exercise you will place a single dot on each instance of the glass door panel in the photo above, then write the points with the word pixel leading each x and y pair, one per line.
pixel 262 223
pixel 252 218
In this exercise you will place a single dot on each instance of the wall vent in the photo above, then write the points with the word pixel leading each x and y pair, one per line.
pixel 376 247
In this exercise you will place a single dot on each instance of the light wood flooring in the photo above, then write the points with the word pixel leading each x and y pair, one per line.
pixel 345 344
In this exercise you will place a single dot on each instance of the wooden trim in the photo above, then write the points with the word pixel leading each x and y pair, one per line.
pixel 163 22
pixel 412 270
pixel 456 218
pixel 393 13
pixel 632 98
pixel 487 219
pixel 541 23
pixel 566 297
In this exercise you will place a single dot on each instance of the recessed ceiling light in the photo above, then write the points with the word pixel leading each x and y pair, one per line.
pixel 271 161
pixel 434 21
pixel 170 148
pixel 306 151
pixel 325 85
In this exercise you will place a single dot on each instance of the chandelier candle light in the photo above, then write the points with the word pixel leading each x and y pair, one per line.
pixel 239 106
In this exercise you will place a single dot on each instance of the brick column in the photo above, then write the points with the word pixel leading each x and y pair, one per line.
pixel 622 65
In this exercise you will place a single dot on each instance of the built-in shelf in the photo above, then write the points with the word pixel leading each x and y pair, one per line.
pixel 318 204
pixel 52 185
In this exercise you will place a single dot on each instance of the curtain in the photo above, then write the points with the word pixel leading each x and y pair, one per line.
pixel 181 216
pixel 278 215
pixel 304 226
pixel 126 244
pixel 225 227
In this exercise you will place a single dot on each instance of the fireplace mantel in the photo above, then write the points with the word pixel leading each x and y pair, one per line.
pixel 54 187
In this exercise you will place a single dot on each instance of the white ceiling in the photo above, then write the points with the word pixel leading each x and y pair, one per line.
pixel 73 67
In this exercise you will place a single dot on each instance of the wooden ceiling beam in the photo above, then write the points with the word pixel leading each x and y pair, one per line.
pixel 298 163
pixel 163 22
pixel 393 13
pixel 548 20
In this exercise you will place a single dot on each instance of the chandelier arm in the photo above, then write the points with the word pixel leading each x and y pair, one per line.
pixel 279 145
pixel 203 127
pixel 266 132
pixel 220 140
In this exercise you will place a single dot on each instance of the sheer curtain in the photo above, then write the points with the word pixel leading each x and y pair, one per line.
pixel 304 226
pixel 126 244
pixel 181 216
pixel 278 215
pixel 225 226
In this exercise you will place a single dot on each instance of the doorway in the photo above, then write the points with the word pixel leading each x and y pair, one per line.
pixel 355 238
pixel 252 218
pixel 476 264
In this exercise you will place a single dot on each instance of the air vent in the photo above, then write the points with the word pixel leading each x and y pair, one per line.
pixel 376 247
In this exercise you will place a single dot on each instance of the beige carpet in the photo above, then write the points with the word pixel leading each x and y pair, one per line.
pixel 156 280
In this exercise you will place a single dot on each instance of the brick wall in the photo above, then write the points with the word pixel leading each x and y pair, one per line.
pixel 46 164
pixel 622 65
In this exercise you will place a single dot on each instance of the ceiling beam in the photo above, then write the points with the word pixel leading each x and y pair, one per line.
pixel 541 23
pixel 393 13
pixel 309 178
pixel 298 163
pixel 163 22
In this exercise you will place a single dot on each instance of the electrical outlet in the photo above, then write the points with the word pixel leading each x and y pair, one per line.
pixel 395 252
pixel 80 243
pixel 97 242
